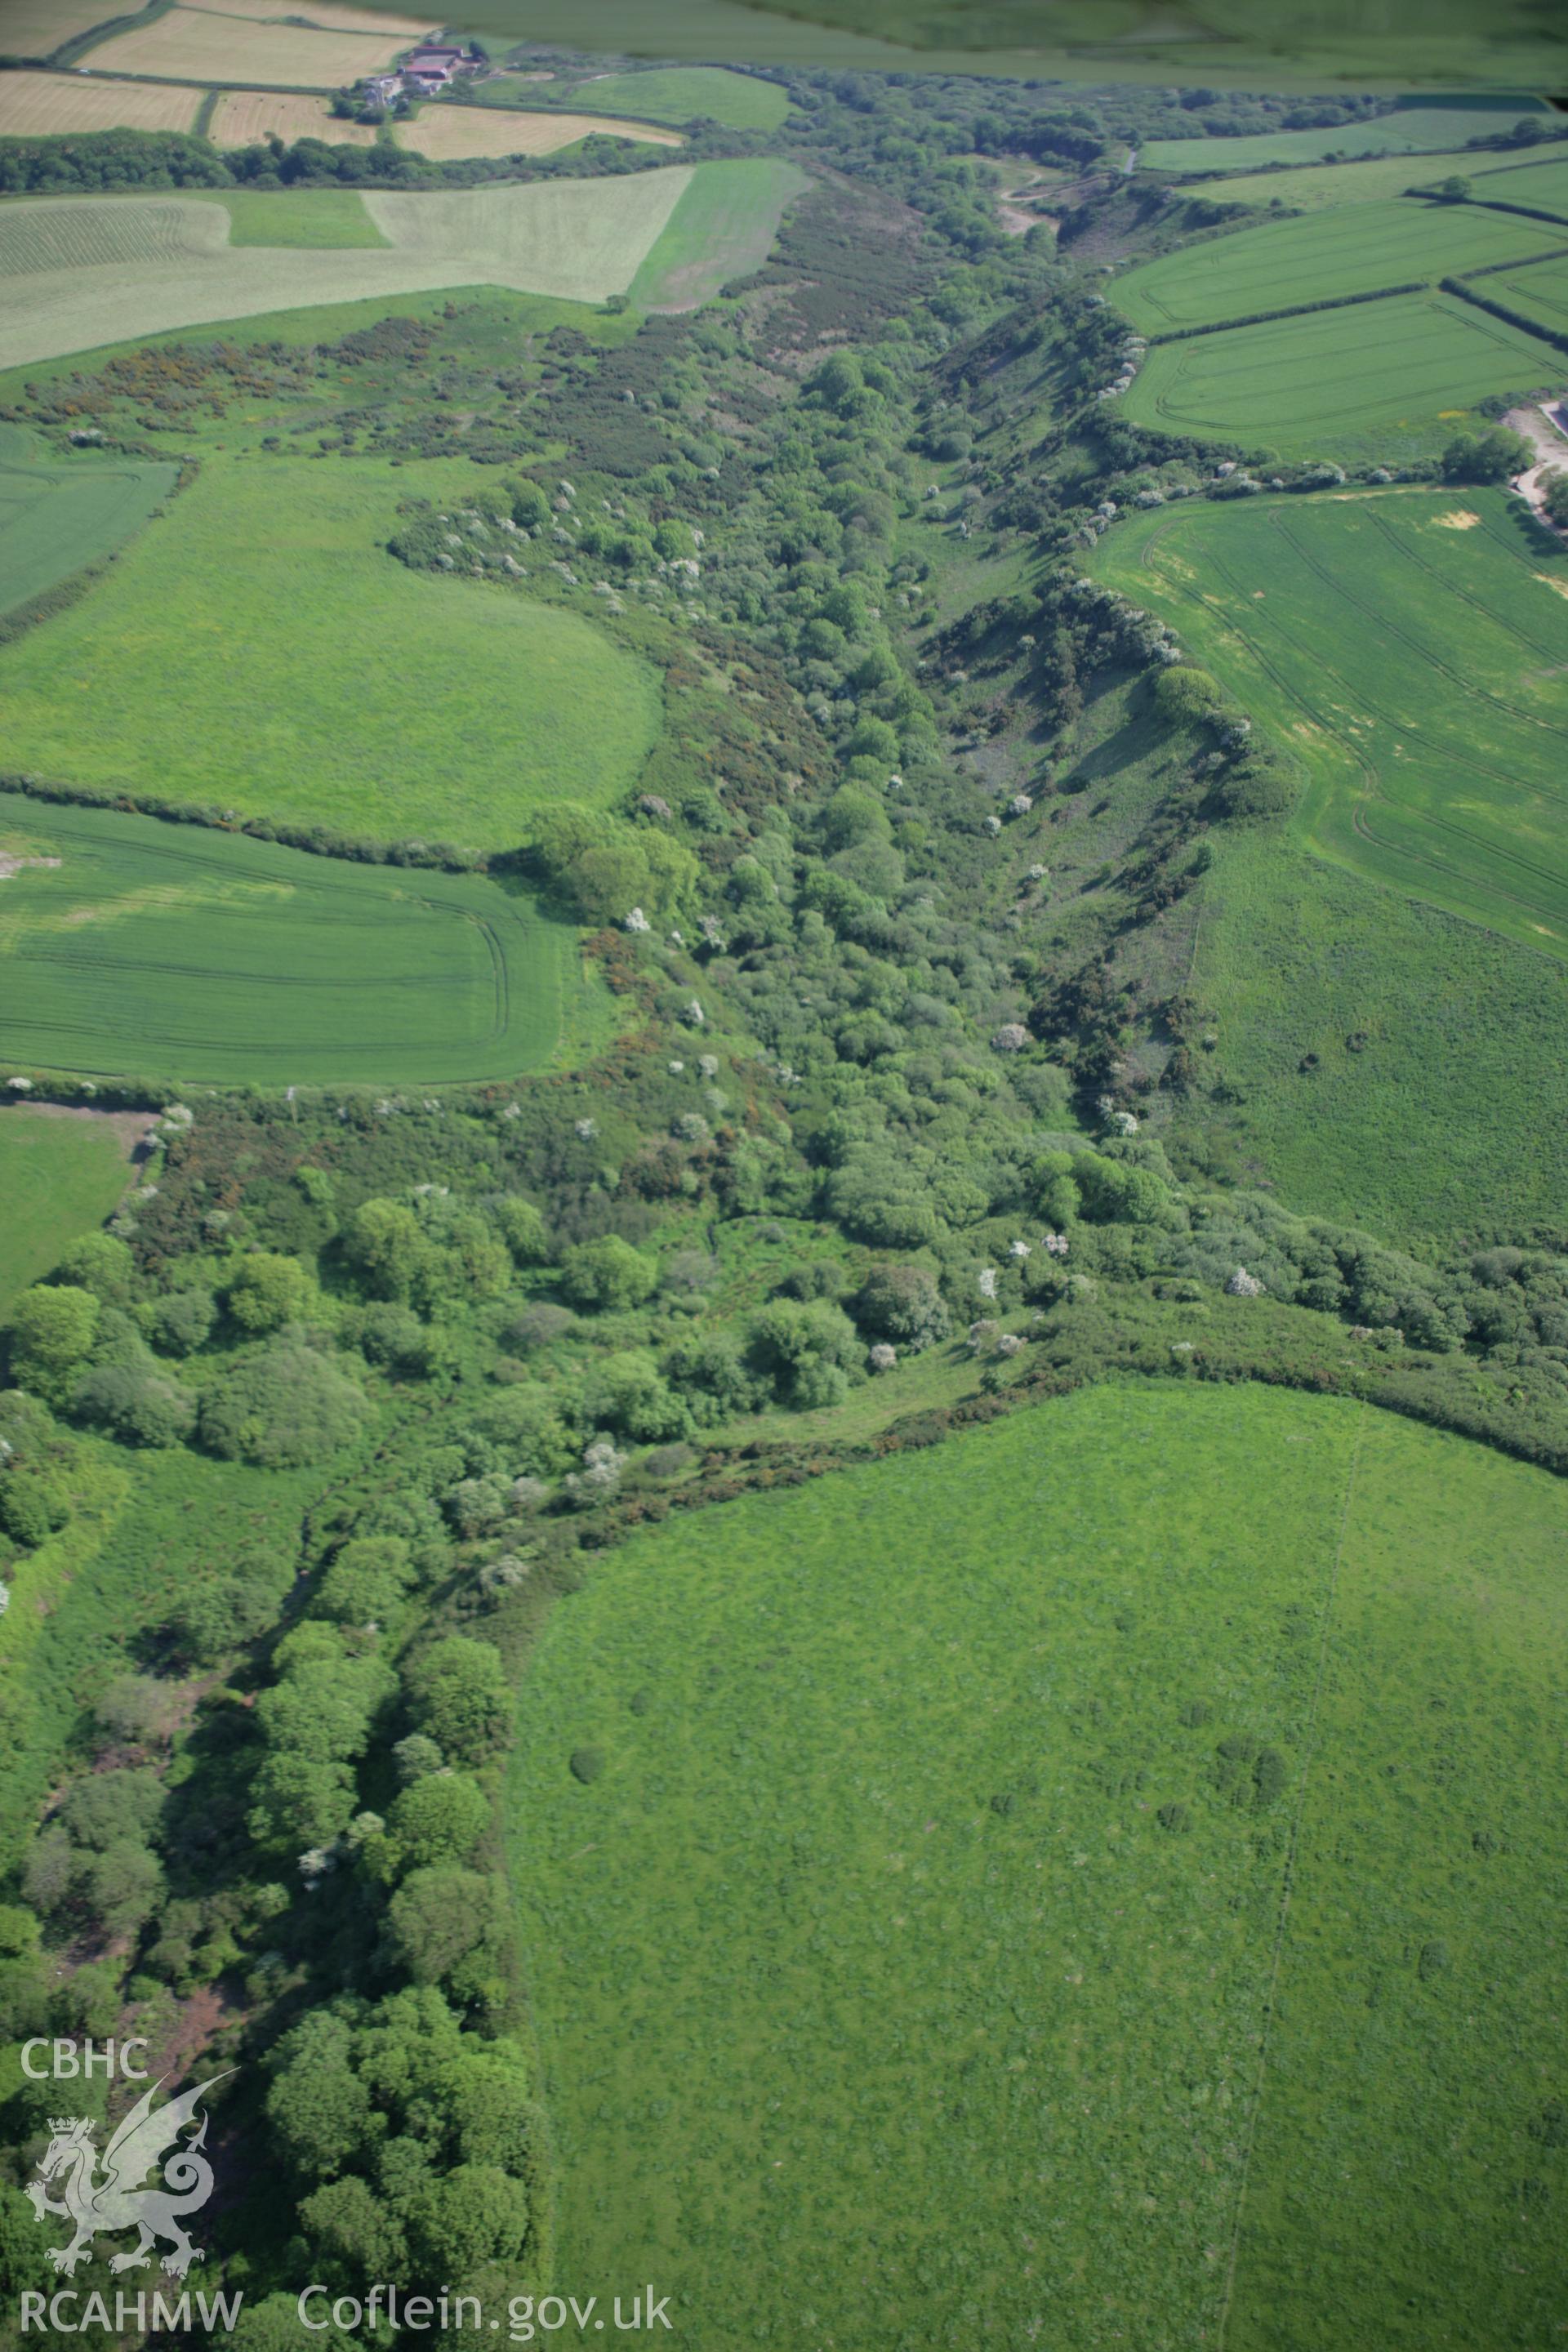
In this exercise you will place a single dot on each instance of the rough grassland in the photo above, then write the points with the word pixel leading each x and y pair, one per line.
pixel 113 280
pixel 680 93
pixel 184 955
pixel 1410 649
pixel 878 1984
pixel 1319 187
pixel 444 132
pixel 722 228
pixel 243 117
pixel 1320 258
pixel 58 517
pixel 40 106
pixel 1412 131
pixel 1318 384
pixel 260 649
pixel 61 1172
pixel 190 45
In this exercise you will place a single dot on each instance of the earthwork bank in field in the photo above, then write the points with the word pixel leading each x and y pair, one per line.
pixel 902 1863
pixel 58 516
pixel 1409 648
pixel 260 649
pixel 175 954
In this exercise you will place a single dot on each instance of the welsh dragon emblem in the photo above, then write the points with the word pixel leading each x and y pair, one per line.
pixel 117 2200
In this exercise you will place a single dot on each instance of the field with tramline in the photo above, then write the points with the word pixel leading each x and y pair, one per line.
pixel 1544 184
pixel 1409 131
pixel 1408 648
pixel 242 117
pixel 444 132
pixel 317 678
pixel 47 106
pixel 193 44
pixel 680 93
pixel 175 954
pixel 1322 382
pixel 56 518
pixel 1539 293
pixel 1321 259
pixel 910 1850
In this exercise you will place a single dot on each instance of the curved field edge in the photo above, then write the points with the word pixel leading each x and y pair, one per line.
pixel 135 948
pixel 898 1919
pixel 320 681
pixel 58 518
pixel 1401 642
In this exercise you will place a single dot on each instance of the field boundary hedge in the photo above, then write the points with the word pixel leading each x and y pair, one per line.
pixel 1296 310
pixel 319 841
pixel 1501 310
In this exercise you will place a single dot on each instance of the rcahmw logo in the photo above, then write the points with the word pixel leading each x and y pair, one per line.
pixel 111 2193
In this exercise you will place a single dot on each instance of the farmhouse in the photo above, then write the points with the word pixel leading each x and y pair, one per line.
pixel 437 64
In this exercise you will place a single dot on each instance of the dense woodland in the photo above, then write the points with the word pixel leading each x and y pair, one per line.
pixel 878 1079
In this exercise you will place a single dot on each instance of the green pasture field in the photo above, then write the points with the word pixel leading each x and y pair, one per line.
pixel 102 270
pixel 1408 646
pixel 304 219
pixel 1543 185
pixel 906 1939
pixel 56 516
pixel 1321 258
pixel 180 954
pixel 1538 291
pixel 722 228
pixel 1392 375
pixel 61 1174
pixel 1439 1092
pixel 1410 131
pixel 261 650
pixel 1319 187
pixel 677 94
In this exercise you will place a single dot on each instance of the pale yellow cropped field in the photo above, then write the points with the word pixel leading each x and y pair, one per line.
pixel 404 29
pixel 194 45
pixel 39 105
pixel 102 269
pixel 241 117
pixel 37 29
pixel 445 133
